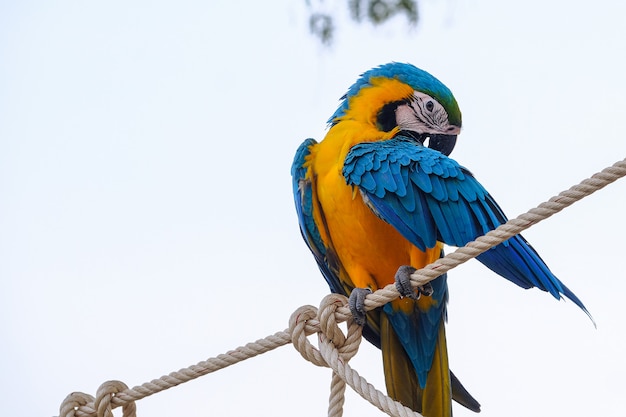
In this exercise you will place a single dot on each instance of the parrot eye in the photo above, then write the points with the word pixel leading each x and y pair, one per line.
pixel 430 105
pixel 386 117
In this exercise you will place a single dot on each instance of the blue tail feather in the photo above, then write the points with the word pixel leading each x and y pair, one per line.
pixel 519 263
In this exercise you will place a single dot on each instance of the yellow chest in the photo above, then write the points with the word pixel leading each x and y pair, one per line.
pixel 369 249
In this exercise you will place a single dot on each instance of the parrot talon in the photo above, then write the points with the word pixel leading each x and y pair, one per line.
pixel 356 303
pixel 426 289
pixel 404 287
pixel 403 282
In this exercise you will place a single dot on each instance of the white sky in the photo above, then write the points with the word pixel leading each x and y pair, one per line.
pixel 147 222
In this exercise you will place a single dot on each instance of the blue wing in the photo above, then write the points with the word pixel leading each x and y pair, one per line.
pixel 429 197
pixel 303 196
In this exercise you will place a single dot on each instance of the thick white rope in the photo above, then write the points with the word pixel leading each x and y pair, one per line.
pixel 335 347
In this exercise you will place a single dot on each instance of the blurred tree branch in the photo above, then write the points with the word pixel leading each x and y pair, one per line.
pixel 322 23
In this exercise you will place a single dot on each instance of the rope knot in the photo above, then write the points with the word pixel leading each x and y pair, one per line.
pixel 73 402
pixel 307 320
pixel 302 323
pixel 335 346
pixel 105 397
pixel 330 316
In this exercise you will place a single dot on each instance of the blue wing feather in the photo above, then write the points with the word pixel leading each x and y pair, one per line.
pixel 450 206
pixel 303 198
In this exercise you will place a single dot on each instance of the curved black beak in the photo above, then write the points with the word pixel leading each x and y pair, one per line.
pixel 442 143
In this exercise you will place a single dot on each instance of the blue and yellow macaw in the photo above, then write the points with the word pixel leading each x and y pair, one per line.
pixel 378 198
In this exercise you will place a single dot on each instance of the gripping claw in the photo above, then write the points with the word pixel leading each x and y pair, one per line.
pixel 356 302
pixel 403 284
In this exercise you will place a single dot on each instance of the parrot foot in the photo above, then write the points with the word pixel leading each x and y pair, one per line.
pixel 356 302
pixel 403 284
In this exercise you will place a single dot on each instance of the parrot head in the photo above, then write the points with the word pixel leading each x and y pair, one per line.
pixel 399 98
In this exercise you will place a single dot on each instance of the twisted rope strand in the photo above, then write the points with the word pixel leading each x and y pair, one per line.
pixel 76 404
pixel 335 348
pixel 359 384
pixel 202 368
pixel 336 399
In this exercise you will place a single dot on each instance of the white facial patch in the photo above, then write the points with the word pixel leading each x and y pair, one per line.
pixel 424 114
